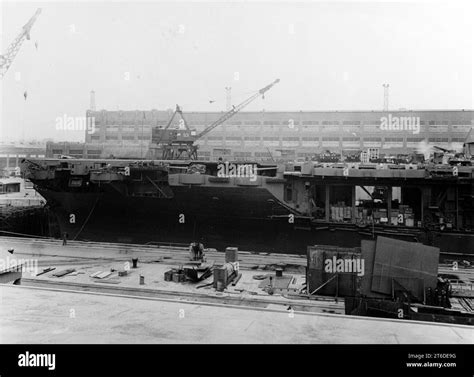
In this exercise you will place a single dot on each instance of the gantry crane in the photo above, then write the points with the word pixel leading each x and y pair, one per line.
pixel 180 143
pixel 166 135
pixel 7 58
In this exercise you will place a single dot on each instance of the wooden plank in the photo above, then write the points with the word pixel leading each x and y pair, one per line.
pixel 103 275
pixel 64 272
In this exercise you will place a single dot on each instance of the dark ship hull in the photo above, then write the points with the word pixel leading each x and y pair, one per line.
pixel 193 214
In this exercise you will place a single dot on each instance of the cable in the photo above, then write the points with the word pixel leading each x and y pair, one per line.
pixel 25 234
pixel 87 218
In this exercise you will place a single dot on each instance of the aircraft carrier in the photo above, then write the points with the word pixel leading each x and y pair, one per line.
pixel 277 208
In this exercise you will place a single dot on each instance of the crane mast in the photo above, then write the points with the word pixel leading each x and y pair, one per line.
pixel 7 58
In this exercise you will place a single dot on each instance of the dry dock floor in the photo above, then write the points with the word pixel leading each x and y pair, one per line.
pixel 44 316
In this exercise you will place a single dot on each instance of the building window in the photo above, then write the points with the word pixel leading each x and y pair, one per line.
pixel 288 192
pixel 373 139
pixel 461 128
pixel 373 122
pixel 221 152
pixel 438 140
pixel 394 139
pixel 350 122
pixel 414 139
pixel 242 154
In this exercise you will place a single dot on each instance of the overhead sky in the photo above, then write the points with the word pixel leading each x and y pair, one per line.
pixel 155 54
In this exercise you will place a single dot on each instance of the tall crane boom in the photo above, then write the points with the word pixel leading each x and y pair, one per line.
pixel 7 58
pixel 181 143
pixel 236 109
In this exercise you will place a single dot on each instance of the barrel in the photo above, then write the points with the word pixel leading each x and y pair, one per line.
pixel 231 254
pixel 220 286
pixel 142 280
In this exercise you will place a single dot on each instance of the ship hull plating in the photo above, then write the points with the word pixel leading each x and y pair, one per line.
pixel 247 218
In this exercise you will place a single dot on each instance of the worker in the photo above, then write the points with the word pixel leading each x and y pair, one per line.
pixel 64 239
pixel 196 250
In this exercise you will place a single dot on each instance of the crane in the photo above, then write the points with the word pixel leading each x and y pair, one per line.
pixel 163 134
pixel 7 58
pixel 236 109
pixel 178 143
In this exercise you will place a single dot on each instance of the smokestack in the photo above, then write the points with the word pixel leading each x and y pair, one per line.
pixel 228 102
pixel 92 105
pixel 385 97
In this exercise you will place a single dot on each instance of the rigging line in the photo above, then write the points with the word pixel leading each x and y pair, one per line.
pixel 87 218
pixel 26 234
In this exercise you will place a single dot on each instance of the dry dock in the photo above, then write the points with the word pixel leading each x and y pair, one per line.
pixel 44 316
pixel 77 308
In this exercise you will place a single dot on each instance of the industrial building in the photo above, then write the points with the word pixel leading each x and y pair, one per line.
pixel 11 155
pixel 263 135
